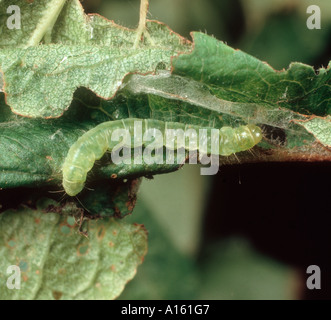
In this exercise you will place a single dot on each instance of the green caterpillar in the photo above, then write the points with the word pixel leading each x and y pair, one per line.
pixel 92 145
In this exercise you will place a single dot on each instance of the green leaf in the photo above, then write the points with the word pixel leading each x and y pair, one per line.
pixel 57 262
pixel 250 89
pixel 192 101
pixel 236 76
pixel 83 51
pixel 320 128
pixel 183 99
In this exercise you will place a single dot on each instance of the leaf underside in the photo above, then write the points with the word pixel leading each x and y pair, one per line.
pixel 57 262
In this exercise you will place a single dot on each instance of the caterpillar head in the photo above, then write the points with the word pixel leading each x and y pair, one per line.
pixel 73 181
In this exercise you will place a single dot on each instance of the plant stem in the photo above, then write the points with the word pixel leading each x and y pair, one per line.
pixel 47 22
pixel 144 5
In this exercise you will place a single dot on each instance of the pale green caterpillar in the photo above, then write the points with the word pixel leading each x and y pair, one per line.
pixel 92 145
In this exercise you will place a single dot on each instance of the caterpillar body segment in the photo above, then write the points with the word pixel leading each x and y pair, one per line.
pixel 92 145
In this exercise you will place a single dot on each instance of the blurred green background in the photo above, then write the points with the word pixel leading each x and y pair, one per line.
pixel 184 261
